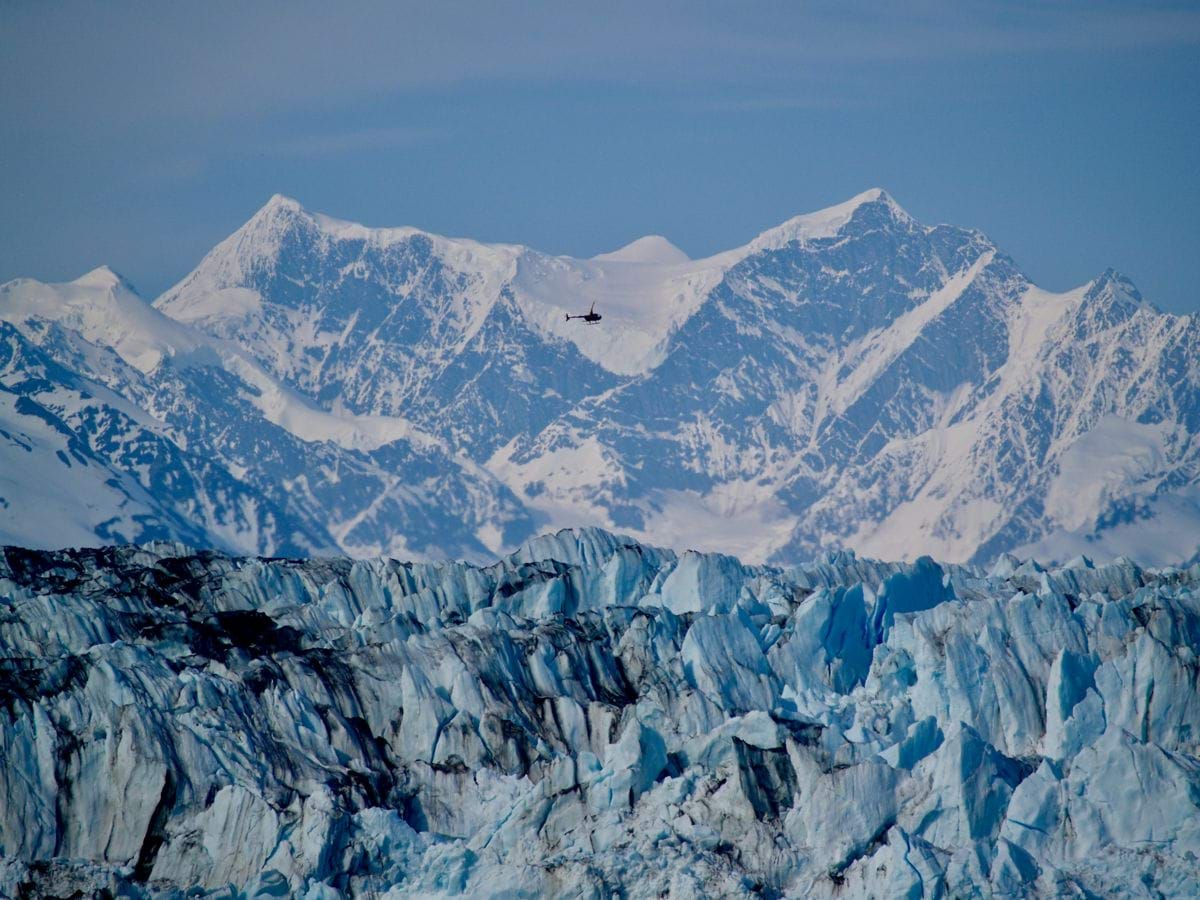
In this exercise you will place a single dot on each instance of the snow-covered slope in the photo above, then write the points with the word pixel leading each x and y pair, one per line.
pixel 594 717
pixel 651 249
pixel 118 423
pixel 850 378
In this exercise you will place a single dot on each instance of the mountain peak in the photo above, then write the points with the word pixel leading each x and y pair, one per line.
pixel 1115 287
pixel 828 222
pixel 1111 279
pixel 282 213
pixel 277 212
pixel 653 248
pixel 874 195
pixel 282 202
pixel 104 278
pixel 105 310
pixel 259 238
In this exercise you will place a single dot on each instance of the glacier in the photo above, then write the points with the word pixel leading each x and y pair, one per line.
pixel 592 716
pixel 849 379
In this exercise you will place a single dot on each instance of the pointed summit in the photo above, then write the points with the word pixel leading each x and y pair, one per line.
pixel 1115 290
pixel 105 310
pixel 828 222
pixel 104 278
pixel 282 213
pixel 276 211
pixel 653 248
pixel 870 197
pixel 1117 282
pixel 875 195
pixel 256 243
pixel 282 202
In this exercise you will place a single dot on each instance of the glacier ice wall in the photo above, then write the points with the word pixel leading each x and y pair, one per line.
pixel 595 717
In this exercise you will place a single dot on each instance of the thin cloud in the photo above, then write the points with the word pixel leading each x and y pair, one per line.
pixel 777 104
pixel 339 144
pixel 172 169
pixel 117 64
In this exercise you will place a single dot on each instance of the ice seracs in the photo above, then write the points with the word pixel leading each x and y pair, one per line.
pixel 592 716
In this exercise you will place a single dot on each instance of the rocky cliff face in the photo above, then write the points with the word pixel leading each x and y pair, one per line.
pixel 594 717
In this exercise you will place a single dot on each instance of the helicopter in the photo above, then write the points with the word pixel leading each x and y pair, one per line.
pixel 591 317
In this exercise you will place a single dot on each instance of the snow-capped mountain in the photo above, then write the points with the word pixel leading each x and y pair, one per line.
pixel 119 424
pixel 850 378
pixel 592 717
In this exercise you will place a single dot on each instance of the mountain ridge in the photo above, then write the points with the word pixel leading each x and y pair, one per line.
pixel 850 377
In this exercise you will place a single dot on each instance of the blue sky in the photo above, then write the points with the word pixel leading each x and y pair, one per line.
pixel 140 134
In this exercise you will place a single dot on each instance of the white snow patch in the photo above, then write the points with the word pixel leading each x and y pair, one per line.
pixel 283 407
pixel 221 303
pixel 562 484
pixel 1167 533
pixel 1039 311
pixel 651 249
pixel 737 517
pixel 643 303
pixel 102 308
pixel 1110 459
